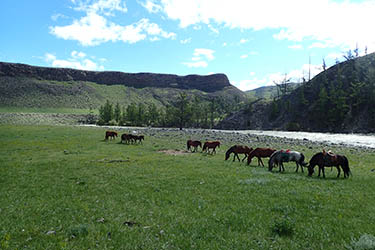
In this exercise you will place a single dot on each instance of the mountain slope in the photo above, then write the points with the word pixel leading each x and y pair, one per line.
pixel 29 86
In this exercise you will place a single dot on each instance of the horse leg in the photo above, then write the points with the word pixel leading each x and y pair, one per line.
pixel 260 160
pixel 297 167
pixel 324 175
pixel 338 170
pixel 238 157
pixel 245 157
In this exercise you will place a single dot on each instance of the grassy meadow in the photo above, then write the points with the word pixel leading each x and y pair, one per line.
pixel 64 187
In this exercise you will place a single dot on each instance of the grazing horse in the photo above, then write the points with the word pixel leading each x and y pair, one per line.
pixel 238 149
pixel 260 153
pixel 210 144
pixel 110 134
pixel 139 138
pixel 126 138
pixel 325 160
pixel 278 157
pixel 194 144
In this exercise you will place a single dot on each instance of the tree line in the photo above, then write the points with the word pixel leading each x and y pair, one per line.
pixel 185 111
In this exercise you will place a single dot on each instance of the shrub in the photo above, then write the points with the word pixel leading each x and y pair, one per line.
pixel 283 226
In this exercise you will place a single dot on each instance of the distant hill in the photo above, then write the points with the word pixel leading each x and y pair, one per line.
pixel 23 85
pixel 339 99
pixel 266 92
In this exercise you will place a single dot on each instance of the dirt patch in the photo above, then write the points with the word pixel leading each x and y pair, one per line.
pixel 174 152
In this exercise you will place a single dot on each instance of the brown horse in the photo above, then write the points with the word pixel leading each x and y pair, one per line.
pixel 194 144
pixel 260 153
pixel 139 138
pixel 110 134
pixel 238 149
pixel 127 138
pixel 325 160
pixel 210 144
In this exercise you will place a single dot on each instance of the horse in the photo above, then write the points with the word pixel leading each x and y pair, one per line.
pixel 260 153
pixel 110 134
pixel 238 149
pixel 278 157
pixel 210 144
pixel 139 138
pixel 194 144
pixel 126 138
pixel 324 160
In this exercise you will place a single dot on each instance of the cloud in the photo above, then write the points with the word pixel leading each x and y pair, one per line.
pixel 151 6
pixel 208 53
pixel 339 23
pixel 242 41
pixel 106 7
pixel 94 29
pixel 200 58
pixel 185 41
pixel 78 60
pixel 244 56
pixel 199 64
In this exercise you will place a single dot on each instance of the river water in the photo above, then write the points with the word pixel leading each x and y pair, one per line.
pixel 345 139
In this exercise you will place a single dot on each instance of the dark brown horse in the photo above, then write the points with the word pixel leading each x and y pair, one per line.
pixel 139 138
pixel 210 144
pixel 238 149
pixel 325 160
pixel 260 153
pixel 127 138
pixel 194 144
pixel 110 134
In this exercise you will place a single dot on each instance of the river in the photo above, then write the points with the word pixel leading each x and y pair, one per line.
pixel 344 139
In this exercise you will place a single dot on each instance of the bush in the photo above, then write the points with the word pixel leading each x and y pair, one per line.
pixel 283 226
pixel 365 242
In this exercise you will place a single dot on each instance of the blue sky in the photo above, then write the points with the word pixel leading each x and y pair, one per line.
pixel 253 42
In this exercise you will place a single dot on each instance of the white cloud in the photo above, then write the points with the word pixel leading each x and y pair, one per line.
pixel 151 6
pixel 199 64
pixel 225 44
pixel 185 41
pixel 200 58
pixel 208 53
pixel 106 7
pixel 94 29
pixel 242 41
pixel 77 61
pixel 244 56
pixel 340 23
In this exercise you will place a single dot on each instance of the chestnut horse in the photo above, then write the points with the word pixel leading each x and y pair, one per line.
pixel 210 144
pixel 110 134
pixel 238 149
pixel 194 144
pixel 260 153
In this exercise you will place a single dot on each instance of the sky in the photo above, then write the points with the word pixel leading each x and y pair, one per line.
pixel 255 43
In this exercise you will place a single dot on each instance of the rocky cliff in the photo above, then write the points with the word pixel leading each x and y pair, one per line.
pixel 210 83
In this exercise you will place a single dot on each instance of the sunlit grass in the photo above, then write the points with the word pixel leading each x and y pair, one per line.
pixel 67 188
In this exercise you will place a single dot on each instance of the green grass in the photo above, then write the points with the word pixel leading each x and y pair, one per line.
pixel 65 188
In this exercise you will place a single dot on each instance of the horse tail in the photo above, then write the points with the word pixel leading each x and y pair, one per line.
pixel 188 145
pixel 204 146
pixel 346 166
pixel 302 160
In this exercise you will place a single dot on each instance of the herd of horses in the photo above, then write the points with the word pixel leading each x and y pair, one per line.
pixel 126 138
pixel 276 157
